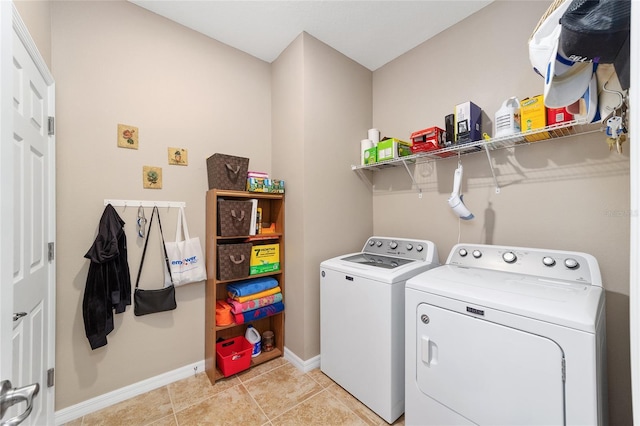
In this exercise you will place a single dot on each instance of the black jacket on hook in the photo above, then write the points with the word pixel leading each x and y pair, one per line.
pixel 108 286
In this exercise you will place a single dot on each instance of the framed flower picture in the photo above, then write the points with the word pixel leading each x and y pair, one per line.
pixel 152 177
pixel 127 136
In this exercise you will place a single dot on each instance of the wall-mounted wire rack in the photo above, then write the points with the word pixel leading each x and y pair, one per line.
pixel 556 131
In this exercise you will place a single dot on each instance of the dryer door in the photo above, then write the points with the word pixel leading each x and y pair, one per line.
pixel 488 373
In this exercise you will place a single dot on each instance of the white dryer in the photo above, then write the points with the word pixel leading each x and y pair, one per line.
pixel 362 319
pixel 506 336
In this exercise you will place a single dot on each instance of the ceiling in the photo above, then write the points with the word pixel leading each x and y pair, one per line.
pixel 371 33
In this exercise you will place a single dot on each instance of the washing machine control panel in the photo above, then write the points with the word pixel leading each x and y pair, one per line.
pixel 401 247
pixel 553 264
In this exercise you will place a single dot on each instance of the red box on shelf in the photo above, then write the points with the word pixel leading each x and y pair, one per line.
pixel 426 147
pixel 422 147
pixel 433 135
pixel 233 355
pixel 558 115
pixel 427 140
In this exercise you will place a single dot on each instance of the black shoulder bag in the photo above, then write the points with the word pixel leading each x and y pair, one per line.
pixel 160 300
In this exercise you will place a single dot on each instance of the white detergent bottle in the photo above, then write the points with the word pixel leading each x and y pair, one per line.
pixel 507 118
pixel 253 336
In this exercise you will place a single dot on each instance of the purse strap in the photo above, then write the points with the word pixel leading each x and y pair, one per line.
pixel 182 230
pixel 155 212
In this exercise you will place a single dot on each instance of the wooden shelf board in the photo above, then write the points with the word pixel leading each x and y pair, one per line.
pixel 225 327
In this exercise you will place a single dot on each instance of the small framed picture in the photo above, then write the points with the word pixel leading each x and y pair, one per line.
pixel 178 157
pixel 127 136
pixel 151 177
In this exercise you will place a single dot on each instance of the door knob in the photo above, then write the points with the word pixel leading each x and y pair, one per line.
pixel 10 397
pixel 19 315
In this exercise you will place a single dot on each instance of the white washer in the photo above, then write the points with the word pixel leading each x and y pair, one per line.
pixel 506 336
pixel 362 319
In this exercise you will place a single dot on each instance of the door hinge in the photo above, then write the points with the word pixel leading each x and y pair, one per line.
pixel 51 251
pixel 50 377
pixel 51 126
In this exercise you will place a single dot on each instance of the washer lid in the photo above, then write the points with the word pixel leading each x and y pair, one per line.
pixel 560 302
pixel 393 275
pixel 376 260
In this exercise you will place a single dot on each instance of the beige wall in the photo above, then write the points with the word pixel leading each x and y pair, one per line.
pixel 321 110
pixel 338 207
pixel 287 83
pixel 36 15
pixel 114 62
pixel 569 194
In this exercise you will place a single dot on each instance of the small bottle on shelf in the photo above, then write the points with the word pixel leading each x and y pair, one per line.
pixel 267 341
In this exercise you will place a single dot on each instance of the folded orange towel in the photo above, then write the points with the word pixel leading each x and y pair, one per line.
pixel 223 313
pixel 242 299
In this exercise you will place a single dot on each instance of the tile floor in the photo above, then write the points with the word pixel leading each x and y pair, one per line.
pixel 274 393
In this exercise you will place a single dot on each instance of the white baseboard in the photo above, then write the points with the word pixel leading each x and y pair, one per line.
pixel 103 401
pixel 304 366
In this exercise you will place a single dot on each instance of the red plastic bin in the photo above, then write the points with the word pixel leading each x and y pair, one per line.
pixel 233 355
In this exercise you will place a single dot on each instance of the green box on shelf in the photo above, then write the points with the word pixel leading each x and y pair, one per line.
pixel 393 148
pixel 276 186
pixel 370 155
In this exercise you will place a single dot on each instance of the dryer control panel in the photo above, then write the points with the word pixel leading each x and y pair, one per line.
pixel 553 264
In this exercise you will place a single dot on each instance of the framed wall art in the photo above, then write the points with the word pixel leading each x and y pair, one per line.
pixel 127 136
pixel 151 177
pixel 178 156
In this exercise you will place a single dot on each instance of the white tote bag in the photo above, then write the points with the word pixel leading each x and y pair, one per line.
pixel 185 256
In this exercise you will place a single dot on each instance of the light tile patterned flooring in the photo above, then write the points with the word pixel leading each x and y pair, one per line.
pixel 275 393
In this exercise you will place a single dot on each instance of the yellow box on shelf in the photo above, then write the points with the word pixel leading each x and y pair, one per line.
pixel 533 115
pixel 264 258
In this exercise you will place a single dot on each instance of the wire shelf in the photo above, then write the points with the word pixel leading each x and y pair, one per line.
pixel 556 131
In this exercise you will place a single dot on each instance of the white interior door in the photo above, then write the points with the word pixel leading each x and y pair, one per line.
pixel 29 178
pixel 488 373
pixel 634 217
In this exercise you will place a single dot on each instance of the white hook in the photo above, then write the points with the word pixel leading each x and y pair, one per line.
pixel 620 95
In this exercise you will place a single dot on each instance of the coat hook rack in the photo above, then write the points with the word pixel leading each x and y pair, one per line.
pixel 144 203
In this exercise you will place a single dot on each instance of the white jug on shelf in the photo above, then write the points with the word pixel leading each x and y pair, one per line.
pixel 253 336
pixel 507 118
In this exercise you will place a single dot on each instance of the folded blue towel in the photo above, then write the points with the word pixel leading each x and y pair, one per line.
pixel 255 285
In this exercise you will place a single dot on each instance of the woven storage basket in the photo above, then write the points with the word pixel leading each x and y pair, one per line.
pixel 234 218
pixel 233 261
pixel 227 172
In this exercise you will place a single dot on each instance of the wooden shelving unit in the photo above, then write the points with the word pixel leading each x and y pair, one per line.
pixel 272 206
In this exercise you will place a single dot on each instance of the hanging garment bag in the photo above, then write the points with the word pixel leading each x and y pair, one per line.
pixel 186 262
pixel 157 300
